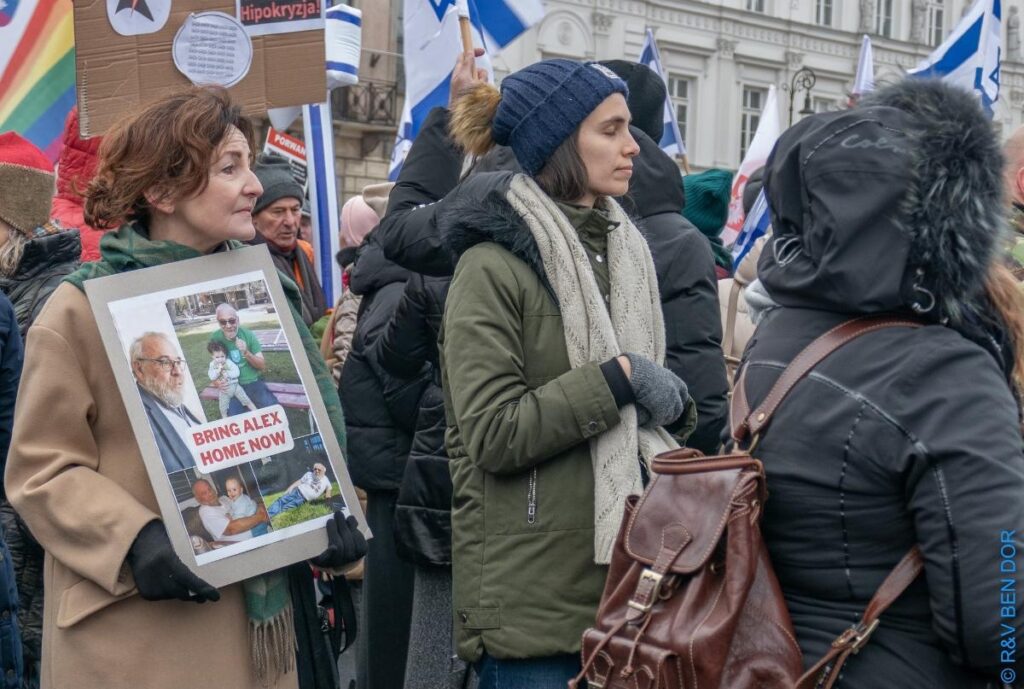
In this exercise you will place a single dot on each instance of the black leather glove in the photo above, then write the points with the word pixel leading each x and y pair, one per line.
pixel 661 395
pixel 345 543
pixel 159 574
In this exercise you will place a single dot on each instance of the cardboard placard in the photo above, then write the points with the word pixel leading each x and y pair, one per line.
pixel 116 74
pixel 226 410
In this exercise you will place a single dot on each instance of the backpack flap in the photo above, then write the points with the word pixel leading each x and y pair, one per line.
pixel 680 519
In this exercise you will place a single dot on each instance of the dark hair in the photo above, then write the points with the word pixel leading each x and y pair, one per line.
pixel 213 347
pixel 564 176
pixel 168 147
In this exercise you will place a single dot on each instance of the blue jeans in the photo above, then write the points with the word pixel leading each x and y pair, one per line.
pixel 258 392
pixel 552 672
pixel 289 500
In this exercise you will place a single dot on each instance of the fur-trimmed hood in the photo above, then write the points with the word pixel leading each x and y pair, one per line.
pixel 477 211
pixel 894 205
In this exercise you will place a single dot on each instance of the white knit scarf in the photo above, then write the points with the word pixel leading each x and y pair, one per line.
pixel 635 325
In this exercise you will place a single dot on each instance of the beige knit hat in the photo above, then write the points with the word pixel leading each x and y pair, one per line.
pixel 26 184
pixel 376 196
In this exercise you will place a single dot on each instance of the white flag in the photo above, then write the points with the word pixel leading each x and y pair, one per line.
pixel 864 82
pixel 769 128
pixel 432 43
pixel 671 140
pixel 970 56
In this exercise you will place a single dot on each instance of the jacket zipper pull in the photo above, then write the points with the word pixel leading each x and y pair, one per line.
pixel 531 498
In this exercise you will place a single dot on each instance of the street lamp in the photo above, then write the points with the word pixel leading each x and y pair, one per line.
pixel 803 80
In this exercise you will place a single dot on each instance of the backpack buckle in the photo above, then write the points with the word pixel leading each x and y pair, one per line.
pixel 855 637
pixel 648 590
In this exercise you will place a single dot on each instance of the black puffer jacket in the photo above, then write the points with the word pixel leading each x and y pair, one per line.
pixel 409 235
pixel 408 350
pixel 689 291
pixel 380 410
pixel 904 436
pixel 47 260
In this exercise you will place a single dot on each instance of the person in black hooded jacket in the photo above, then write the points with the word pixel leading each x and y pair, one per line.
pixel 408 350
pixel 905 436
pixel 682 258
pixel 689 290
pixel 380 414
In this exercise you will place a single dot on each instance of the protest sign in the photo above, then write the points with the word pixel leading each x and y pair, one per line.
pixel 116 73
pixel 226 410
pixel 264 17
pixel 294 150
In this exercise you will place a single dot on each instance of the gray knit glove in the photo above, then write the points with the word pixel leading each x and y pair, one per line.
pixel 660 394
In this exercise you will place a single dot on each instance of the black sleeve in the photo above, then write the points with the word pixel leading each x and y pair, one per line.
pixel 693 334
pixel 409 232
pixel 10 373
pixel 964 473
pixel 401 393
pixel 618 383
pixel 405 344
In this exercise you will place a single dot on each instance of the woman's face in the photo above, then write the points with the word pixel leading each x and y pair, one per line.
pixel 223 210
pixel 607 149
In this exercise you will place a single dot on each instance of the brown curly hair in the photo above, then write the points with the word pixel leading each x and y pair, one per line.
pixel 166 148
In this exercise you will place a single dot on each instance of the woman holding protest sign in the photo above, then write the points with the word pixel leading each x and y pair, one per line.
pixel 177 178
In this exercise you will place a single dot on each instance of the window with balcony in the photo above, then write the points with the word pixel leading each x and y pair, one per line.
pixel 755 6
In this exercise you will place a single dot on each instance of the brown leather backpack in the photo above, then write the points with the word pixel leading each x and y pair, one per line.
pixel 691 599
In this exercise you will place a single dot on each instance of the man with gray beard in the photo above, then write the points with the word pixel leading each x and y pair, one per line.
pixel 160 374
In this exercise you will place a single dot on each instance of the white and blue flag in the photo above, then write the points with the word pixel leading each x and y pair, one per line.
pixel 671 140
pixel 970 56
pixel 755 226
pixel 432 44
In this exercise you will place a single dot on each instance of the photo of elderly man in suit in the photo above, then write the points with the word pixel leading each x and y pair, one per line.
pixel 160 374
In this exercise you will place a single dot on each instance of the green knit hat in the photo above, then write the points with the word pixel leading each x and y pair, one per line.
pixel 707 200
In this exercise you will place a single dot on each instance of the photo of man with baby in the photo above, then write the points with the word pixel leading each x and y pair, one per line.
pixel 237 354
pixel 233 505
pixel 221 508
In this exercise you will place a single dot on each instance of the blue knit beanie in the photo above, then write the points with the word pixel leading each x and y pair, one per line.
pixel 543 104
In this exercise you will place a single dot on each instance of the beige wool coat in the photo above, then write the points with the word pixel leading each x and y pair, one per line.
pixel 76 476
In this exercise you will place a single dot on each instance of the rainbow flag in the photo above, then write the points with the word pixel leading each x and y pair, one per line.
pixel 37 70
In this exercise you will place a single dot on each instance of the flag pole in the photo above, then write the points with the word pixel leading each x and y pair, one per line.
pixel 462 7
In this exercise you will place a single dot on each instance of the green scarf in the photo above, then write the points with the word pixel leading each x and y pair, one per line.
pixel 267 601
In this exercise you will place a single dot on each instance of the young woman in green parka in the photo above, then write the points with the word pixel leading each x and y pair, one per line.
pixel 551 355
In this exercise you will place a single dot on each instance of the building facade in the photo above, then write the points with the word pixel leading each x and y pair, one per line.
pixel 722 56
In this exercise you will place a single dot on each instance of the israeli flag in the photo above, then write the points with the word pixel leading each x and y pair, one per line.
pixel 755 226
pixel 432 44
pixel 970 56
pixel 671 140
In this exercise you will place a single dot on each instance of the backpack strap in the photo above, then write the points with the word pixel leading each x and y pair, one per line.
pixel 825 673
pixel 749 424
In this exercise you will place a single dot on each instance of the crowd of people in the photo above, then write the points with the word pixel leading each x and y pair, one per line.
pixel 534 310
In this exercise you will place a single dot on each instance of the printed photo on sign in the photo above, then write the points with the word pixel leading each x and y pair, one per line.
pixel 138 17
pixel 234 510
pixel 262 17
pixel 227 408
pixel 230 416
